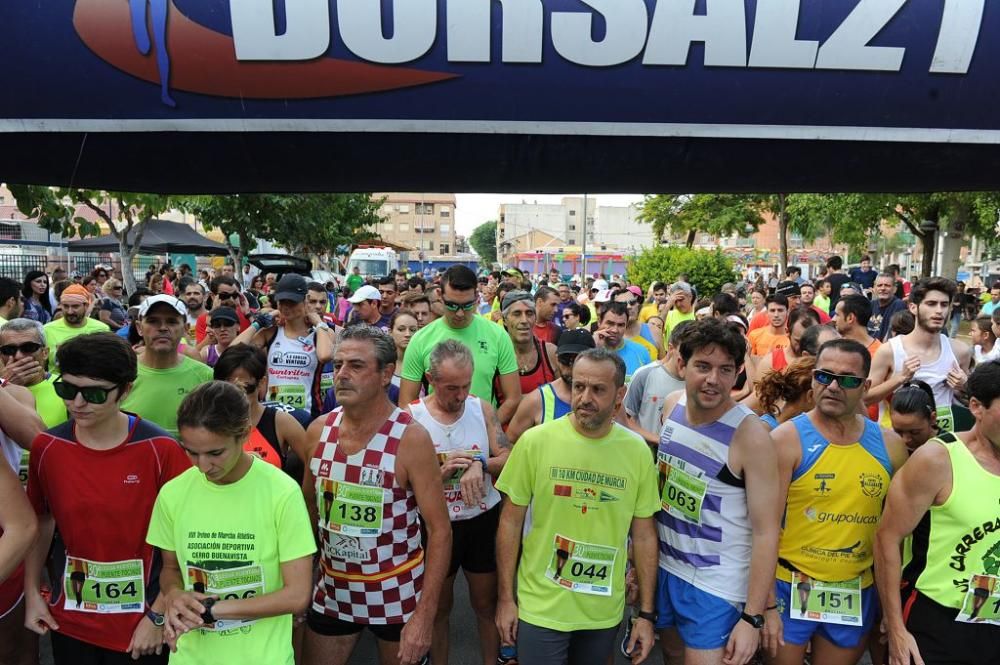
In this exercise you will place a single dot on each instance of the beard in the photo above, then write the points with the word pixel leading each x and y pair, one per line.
pixel 925 323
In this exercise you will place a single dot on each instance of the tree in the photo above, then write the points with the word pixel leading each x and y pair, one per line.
pixel 246 216
pixel 122 212
pixel 707 270
pixel 484 241
pixel 690 214
pixel 316 224
pixel 305 224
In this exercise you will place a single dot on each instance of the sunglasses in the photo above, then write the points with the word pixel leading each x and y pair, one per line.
pixel 568 315
pixel 27 348
pixel 91 394
pixel 846 381
pixel 455 306
pixel 228 296
pixel 248 388
pixel 221 323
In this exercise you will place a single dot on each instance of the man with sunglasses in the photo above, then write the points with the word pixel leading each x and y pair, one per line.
pixel 25 357
pixel 635 330
pixel 96 478
pixel 225 293
pixel 165 375
pixel 552 400
pixel 492 351
pixel 834 468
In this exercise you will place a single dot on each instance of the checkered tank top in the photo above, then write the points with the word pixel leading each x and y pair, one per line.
pixel 371 572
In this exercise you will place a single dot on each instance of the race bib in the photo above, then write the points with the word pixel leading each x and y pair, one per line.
pixel 291 394
pixel 116 587
pixel 228 584
pixel 684 488
pixel 982 601
pixel 825 602
pixel 325 382
pixel 945 419
pixel 582 567
pixel 349 509
pixel 22 467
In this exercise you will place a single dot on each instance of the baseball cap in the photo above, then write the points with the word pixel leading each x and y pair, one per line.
pixel 291 287
pixel 516 296
pixel 574 341
pixel 788 289
pixel 366 292
pixel 600 284
pixel 223 314
pixel 165 299
pixel 635 290
pixel 604 295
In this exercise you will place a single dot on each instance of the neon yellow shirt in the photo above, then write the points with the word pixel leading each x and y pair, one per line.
pixel 243 532
pixel 492 352
pixel 584 494
pixel 57 332
pixel 49 406
pixel 157 393
pixel 674 317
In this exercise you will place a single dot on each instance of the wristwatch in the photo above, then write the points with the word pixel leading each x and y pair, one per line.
pixel 157 619
pixel 755 620
pixel 207 615
pixel 648 616
pixel 484 461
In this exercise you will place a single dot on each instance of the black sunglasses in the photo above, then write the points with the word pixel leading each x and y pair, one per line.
pixel 846 381
pixel 228 296
pixel 221 323
pixel 91 394
pixel 455 306
pixel 26 348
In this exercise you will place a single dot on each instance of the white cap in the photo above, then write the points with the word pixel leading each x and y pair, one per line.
pixel 366 292
pixel 176 304
pixel 603 296
pixel 600 284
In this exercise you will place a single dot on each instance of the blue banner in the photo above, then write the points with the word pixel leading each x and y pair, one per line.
pixel 856 70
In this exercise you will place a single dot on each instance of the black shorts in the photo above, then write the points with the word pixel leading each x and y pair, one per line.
pixel 78 576
pixel 473 543
pixel 942 640
pixel 330 627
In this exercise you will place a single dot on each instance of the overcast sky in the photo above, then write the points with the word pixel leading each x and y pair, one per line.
pixel 474 209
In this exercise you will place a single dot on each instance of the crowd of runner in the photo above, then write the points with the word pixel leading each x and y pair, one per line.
pixel 258 468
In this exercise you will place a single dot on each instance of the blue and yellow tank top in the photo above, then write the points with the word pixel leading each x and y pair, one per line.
pixel 552 406
pixel 834 506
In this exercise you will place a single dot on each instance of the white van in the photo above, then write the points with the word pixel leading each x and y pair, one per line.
pixel 373 262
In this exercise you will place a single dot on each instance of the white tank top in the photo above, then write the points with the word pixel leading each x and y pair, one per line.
pixel 11 452
pixel 291 368
pixel 935 374
pixel 468 433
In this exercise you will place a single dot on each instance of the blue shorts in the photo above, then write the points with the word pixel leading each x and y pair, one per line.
pixel 704 621
pixel 799 632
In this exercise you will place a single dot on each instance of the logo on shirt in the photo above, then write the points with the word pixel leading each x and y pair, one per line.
pixel 871 485
pixel 324 468
pixel 132 479
pixel 484 346
pixel 823 487
pixel 290 359
pixel 372 476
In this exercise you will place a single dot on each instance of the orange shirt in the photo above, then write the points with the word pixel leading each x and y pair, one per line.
pixel 763 341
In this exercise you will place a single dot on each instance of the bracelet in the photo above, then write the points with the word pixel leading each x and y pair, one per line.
pixel 484 461
pixel 771 608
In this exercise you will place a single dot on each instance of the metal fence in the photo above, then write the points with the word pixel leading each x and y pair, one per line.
pixel 16 266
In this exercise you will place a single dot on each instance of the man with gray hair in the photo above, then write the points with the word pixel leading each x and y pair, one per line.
pixel 372 480
pixel 25 360
pixel 681 300
pixel 536 360
pixel 471 449
pixel 589 484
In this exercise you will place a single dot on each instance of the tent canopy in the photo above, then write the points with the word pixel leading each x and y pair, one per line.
pixel 160 237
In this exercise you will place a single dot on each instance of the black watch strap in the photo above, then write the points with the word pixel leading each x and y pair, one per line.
pixel 155 618
pixel 648 616
pixel 207 615
pixel 755 620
